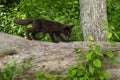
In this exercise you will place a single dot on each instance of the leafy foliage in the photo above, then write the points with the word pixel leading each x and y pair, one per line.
pixel 12 72
pixel 113 12
pixel 92 66
pixel 9 71
pixel 63 11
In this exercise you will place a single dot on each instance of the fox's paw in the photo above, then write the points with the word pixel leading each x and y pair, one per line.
pixel 56 41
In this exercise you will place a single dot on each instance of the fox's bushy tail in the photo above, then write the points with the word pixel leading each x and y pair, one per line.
pixel 23 22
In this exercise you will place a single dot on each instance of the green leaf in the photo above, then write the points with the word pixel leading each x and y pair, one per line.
pixel 97 63
pixel 89 56
pixel 79 73
pixel 91 69
pixel 109 35
pixel 92 78
pixel 61 78
pixel 82 67
pixel 40 76
pixel 76 2
pixel 73 72
pixel 5 76
pixel 105 73
pixel 47 75
pixel 115 34
pixel 112 27
pixel 109 54
pixel 23 66
pixel 113 60
pixel 90 38
pixel 112 42
pixel 78 50
pixel 75 78
pixel 98 50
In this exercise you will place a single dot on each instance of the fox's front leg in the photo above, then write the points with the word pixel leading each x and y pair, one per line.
pixel 62 39
pixel 52 38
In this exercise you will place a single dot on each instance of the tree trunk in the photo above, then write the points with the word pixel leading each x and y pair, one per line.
pixel 93 14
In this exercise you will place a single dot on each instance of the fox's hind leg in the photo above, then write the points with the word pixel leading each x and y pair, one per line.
pixel 28 34
pixel 34 36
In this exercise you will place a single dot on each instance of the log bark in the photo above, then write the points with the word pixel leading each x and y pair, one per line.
pixel 53 56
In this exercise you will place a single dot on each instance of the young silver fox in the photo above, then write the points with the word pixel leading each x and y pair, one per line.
pixel 42 25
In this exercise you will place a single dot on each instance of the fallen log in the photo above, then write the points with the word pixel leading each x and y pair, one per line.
pixel 54 56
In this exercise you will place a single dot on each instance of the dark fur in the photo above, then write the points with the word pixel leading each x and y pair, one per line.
pixel 43 25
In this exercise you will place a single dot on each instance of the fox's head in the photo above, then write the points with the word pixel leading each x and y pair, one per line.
pixel 68 30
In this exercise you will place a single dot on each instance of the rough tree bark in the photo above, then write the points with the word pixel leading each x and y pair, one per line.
pixel 92 13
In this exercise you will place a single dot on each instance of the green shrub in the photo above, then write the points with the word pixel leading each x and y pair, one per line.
pixel 113 13
pixel 92 66
pixel 12 72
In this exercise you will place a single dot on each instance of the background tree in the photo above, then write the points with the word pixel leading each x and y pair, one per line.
pixel 93 14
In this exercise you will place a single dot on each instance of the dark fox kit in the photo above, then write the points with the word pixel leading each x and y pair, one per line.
pixel 43 25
